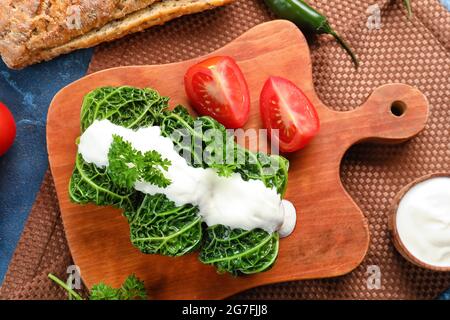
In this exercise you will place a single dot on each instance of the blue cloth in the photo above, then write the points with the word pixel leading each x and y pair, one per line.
pixel 446 4
pixel 28 94
pixel 445 295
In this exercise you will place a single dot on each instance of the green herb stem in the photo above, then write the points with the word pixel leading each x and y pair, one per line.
pixel 346 47
pixel 408 7
pixel 65 287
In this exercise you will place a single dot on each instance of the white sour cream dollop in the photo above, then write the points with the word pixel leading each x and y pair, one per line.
pixel 230 201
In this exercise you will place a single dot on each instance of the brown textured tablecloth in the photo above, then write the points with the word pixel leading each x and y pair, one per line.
pixel 415 51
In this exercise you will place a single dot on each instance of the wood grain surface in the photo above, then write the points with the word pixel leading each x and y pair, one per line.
pixel 331 237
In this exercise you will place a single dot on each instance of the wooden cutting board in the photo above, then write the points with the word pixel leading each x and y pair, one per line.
pixel 331 237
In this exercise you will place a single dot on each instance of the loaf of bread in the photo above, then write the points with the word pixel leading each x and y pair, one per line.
pixel 35 30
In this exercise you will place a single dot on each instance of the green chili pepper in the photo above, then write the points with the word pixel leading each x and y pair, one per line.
pixel 408 7
pixel 306 17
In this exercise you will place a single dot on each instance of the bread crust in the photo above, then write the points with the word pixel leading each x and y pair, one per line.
pixel 33 25
pixel 18 50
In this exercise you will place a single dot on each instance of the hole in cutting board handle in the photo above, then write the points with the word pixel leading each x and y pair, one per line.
pixel 398 108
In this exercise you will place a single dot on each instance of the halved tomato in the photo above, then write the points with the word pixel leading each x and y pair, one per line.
pixel 286 108
pixel 216 87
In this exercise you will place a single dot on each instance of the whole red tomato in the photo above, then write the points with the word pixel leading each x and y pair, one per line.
pixel 7 129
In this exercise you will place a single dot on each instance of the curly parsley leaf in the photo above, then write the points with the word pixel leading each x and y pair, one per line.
pixel 132 289
pixel 224 170
pixel 127 165
pixel 103 292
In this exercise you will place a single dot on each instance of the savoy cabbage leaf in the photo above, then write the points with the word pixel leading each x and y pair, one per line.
pixel 90 184
pixel 125 106
pixel 160 227
pixel 239 251
pixel 271 169
pixel 157 225
pixel 235 251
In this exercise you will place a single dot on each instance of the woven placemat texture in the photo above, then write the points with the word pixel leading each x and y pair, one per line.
pixel 415 52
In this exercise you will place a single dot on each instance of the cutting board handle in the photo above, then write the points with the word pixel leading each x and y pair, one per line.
pixel 393 113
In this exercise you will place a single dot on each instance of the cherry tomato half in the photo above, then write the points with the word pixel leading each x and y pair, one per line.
pixel 7 129
pixel 286 108
pixel 217 88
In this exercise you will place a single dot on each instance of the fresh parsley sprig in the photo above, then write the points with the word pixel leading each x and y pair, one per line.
pixel 224 170
pixel 127 165
pixel 132 289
